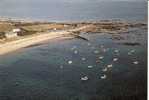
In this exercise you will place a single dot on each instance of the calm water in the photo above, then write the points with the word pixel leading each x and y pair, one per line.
pixel 65 10
pixel 42 72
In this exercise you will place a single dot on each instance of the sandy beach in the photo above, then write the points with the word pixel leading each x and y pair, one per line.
pixel 16 44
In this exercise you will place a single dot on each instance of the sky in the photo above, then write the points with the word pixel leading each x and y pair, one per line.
pixel 97 0
pixel 70 0
pixel 25 2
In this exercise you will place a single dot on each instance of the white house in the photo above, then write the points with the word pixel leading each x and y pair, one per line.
pixel 16 30
pixel 65 25
pixel 13 33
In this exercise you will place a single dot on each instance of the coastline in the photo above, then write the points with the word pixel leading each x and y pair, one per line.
pixel 36 32
pixel 26 41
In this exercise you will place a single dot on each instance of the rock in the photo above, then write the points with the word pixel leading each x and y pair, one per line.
pixel 117 37
pixel 85 78
pixel 131 44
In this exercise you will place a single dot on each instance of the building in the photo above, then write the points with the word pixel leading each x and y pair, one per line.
pixel 65 25
pixel 13 33
pixel 10 34
pixel 17 30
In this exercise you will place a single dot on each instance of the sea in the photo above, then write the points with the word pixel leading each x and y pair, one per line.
pixel 73 10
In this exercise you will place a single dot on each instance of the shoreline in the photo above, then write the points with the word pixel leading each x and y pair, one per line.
pixel 27 41
pixel 34 20
pixel 36 32
pixel 23 42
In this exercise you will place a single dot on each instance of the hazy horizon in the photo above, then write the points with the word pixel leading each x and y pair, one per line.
pixel 9 1
pixel 74 10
